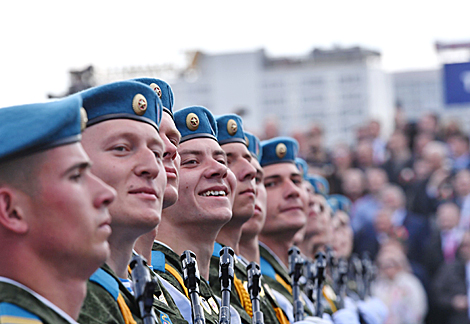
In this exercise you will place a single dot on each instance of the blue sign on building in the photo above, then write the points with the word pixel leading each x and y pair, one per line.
pixel 457 83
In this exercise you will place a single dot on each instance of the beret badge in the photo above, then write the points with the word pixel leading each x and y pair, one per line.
pixel 157 89
pixel 83 119
pixel 281 150
pixel 192 121
pixel 139 104
pixel 232 127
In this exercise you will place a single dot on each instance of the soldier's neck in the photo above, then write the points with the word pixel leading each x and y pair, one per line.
pixel 199 239
pixel 121 252
pixel 249 249
pixel 230 236
pixel 279 247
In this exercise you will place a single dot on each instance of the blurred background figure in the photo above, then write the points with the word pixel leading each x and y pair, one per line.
pixel 400 159
pixel 398 288
pixel 451 286
pixel 367 206
pixel 378 144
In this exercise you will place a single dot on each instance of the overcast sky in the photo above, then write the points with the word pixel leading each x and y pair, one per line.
pixel 41 40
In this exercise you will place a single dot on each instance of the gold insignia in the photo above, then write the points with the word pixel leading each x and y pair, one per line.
pixel 247 141
pixel 83 119
pixel 157 89
pixel 192 121
pixel 329 293
pixel 232 127
pixel 205 305
pixel 139 104
pixel 281 150
pixel 214 305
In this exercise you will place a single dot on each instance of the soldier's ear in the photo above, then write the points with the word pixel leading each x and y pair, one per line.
pixel 12 216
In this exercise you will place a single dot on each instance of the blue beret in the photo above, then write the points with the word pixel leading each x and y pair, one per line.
pixel 230 129
pixel 195 122
pixel 279 150
pixel 163 91
pixel 254 145
pixel 122 100
pixel 31 128
pixel 302 166
pixel 340 202
pixel 320 184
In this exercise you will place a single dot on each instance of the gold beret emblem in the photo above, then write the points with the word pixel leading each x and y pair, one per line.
pixel 83 119
pixel 157 89
pixel 281 150
pixel 232 127
pixel 192 121
pixel 247 141
pixel 139 104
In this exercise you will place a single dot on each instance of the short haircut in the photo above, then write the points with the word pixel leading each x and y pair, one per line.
pixel 21 173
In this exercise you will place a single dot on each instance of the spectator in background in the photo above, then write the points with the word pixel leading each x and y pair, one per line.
pixel 423 195
pixel 451 288
pixel 459 151
pixel 400 160
pixel 378 143
pixel 461 186
pixel 353 185
pixel 444 239
pixel 317 155
pixel 414 225
pixel 342 161
pixel 364 155
pixel 271 127
pixel 398 288
pixel 429 124
pixel 419 142
pixel 367 206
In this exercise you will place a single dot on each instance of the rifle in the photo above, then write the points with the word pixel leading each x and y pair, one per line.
pixel 341 281
pixel 226 277
pixel 320 265
pixel 254 287
pixel 295 272
pixel 144 287
pixel 191 281
pixel 368 273
pixel 356 266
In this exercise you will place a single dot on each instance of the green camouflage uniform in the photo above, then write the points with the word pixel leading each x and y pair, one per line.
pixel 241 273
pixel 277 277
pixel 162 255
pixel 19 306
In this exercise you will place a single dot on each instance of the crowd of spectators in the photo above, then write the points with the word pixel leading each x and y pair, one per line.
pixel 412 187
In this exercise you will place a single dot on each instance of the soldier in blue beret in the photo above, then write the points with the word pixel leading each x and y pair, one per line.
pixel 234 142
pixel 286 200
pixel 205 197
pixel 302 166
pixel 171 159
pixel 54 221
pixel 127 151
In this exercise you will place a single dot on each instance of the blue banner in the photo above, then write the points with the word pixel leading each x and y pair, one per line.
pixel 457 83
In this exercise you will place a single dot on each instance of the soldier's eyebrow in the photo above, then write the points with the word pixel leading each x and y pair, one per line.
pixel 273 177
pixel 79 165
pixel 188 152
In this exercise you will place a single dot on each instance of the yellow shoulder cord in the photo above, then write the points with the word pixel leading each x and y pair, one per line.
pixel 178 277
pixel 243 294
pixel 330 302
pixel 285 284
pixel 125 311
pixel 281 317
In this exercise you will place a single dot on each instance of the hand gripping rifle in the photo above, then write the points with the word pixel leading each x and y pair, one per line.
pixel 226 278
pixel 191 281
pixel 144 287
pixel 295 272
pixel 320 265
pixel 254 287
